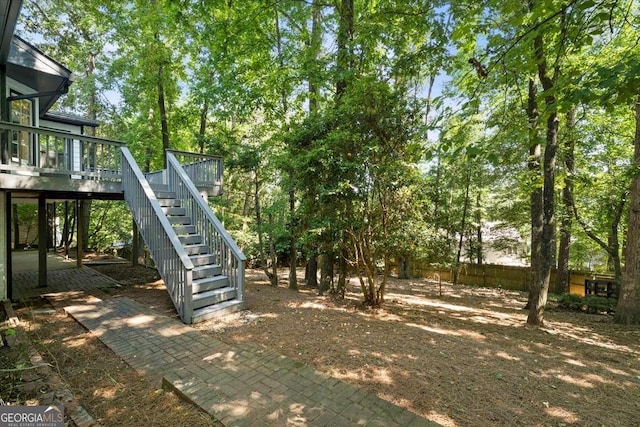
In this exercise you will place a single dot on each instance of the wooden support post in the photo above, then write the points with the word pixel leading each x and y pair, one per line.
pixel 42 241
pixel 5 244
pixel 80 231
pixel 5 158
pixel 9 258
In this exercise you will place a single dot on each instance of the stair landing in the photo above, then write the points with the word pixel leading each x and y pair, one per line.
pixel 240 385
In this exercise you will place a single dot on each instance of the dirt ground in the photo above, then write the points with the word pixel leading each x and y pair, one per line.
pixel 460 356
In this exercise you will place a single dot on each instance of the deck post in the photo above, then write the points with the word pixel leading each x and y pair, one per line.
pixel 9 264
pixel 4 116
pixel 42 241
pixel 5 245
pixel 80 233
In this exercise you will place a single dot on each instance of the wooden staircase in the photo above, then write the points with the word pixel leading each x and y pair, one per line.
pixel 201 265
pixel 212 294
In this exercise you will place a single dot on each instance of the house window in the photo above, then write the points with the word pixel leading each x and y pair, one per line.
pixel 22 150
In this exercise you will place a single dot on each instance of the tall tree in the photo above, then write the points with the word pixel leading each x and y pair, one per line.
pixel 628 308
pixel 562 274
pixel 549 79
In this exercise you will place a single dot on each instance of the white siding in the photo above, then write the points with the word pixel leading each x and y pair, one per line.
pixel 75 144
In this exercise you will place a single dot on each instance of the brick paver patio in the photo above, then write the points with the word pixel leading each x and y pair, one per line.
pixel 62 276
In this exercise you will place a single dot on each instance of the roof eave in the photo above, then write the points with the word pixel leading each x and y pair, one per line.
pixel 8 21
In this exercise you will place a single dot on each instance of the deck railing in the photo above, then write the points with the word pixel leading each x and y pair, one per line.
pixel 39 151
pixel 171 260
pixel 221 245
pixel 202 169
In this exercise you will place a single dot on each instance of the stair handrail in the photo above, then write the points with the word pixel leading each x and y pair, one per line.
pixel 212 175
pixel 232 266
pixel 172 261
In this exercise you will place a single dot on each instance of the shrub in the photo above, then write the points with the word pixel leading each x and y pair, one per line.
pixel 590 304
pixel 597 304
pixel 570 302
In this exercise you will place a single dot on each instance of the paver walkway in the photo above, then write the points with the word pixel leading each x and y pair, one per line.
pixel 241 385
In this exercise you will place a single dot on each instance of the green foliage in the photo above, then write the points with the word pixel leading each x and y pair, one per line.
pixel 387 159
pixel 111 223
pixel 592 304
pixel 28 223
pixel 598 305
pixel 570 302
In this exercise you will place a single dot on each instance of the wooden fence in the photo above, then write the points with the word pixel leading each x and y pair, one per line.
pixel 506 277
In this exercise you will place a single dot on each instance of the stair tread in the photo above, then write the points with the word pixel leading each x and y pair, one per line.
pixel 205 266
pixel 202 260
pixel 189 245
pixel 219 309
pixel 205 284
pixel 217 278
pixel 205 255
pixel 168 203
pixel 207 294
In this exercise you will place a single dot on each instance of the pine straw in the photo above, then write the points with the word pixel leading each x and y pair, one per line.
pixel 465 358
pixel 111 391
pixel 460 358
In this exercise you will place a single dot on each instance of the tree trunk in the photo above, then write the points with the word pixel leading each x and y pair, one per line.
pixel 293 243
pixel 341 289
pixel 203 125
pixel 614 243
pixel 344 39
pixel 562 276
pixel 312 270
pixel 404 268
pixel 479 230
pixel 535 197
pixel 326 273
pixel 164 122
pixel 628 308
pixel 540 288
pixel 246 208
pixel 272 252
pixel 273 279
pixel 16 226
pixel 148 149
pixel 436 196
pixel 92 107
pixel 86 220
pixel 314 53
pixel 51 225
pixel 456 266
pixel 283 88
pixel 69 226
